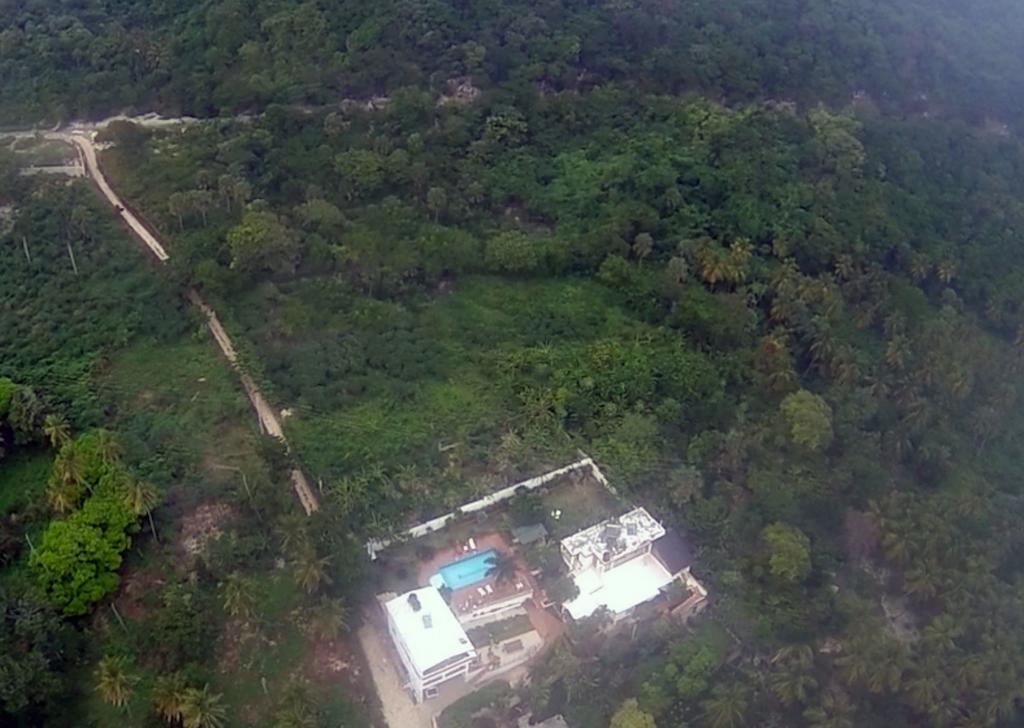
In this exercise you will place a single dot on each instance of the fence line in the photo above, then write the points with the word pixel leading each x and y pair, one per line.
pixel 375 545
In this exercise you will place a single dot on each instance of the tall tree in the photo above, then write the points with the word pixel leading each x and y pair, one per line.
pixel 202 709
pixel 114 682
pixel 169 696
pixel 56 430
pixel 142 498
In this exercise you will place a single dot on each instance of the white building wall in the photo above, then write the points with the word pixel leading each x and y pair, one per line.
pixel 496 612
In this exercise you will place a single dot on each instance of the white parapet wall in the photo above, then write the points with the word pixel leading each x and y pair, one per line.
pixel 374 546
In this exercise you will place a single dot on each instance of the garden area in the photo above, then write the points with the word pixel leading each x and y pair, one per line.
pixel 563 506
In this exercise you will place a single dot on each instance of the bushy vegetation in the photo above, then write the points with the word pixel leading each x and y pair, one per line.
pixel 760 259
pixel 122 549
pixel 209 58
pixel 773 325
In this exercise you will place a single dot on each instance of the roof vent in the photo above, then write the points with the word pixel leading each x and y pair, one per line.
pixel 414 602
pixel 427 621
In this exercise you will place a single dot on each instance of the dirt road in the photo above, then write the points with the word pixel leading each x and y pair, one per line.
pixel 268 419
pixel 87 153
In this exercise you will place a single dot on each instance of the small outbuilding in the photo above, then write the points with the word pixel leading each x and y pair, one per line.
pixel 526 535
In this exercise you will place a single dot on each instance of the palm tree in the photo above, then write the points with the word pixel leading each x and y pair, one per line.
pixel 169 696
pixel 239 596
pixel 202 709
pixel 328 619
pixel 855 665
pixel 502 568
pixel 835 711
pixel 298 706
pixel 678 268
pixel 63 498
pixel 107 447
pixel 889 660
pixel 142 498
pixel 69 467
pixel 311 569
pixel 113 682
pixel 947 271
pixel 57 431
pixel 642 246
pixel 727 707
pixel 291 532
pixel 923 690
pixel 941 633
pixel 797 655
pixel 792 685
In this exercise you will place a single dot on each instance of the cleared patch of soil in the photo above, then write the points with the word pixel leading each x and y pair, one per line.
pixel 204 525
pixel 139 593
pixel 329 660
pixel 341 662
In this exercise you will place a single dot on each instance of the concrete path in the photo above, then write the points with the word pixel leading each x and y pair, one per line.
pixel 87 152
pixel 399 710
pixel 81 138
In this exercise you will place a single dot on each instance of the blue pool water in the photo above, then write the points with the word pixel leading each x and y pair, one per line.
pixel 467 571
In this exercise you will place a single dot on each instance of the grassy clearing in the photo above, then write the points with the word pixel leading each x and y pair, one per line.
pixel 171 403
pixel 43 152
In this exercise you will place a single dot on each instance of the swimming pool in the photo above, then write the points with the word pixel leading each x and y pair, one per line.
pixel 467 571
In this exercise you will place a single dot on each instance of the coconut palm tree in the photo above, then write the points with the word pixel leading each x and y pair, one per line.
pixel 63 498
pixel 142 498
pixel 202 709
pixel 678 269
pixel 239 597
pixel 169 696
pixel 113 681
pixel 69 467
pixel 797 655
pixel 328 619
pixel 924 689
pixel 107 447
pixel 291 532
pixel 792 684
pixel 643 246
pixel 833 711
pixel 502 568
pixel 727 707
pixel 56 430
pixel 311 569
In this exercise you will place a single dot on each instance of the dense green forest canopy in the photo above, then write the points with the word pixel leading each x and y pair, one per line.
pixel 796 333
pixel 62 59
pixel 761 259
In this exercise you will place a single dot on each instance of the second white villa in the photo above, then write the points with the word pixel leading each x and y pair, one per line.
pixel 627 561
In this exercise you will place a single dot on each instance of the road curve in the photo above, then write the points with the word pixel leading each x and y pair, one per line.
pixel 266 415
pixel 87 153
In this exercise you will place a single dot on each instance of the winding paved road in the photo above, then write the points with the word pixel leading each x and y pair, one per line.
pixel 81 137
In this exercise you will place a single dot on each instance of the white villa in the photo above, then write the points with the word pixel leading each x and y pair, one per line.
pixel 431 644
pixel 624 562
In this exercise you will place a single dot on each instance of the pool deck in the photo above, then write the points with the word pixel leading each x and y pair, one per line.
pixel 469 598
pixel 484 542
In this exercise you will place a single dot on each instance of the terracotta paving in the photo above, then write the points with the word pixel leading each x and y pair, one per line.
pixel 442 557
pixel 547 624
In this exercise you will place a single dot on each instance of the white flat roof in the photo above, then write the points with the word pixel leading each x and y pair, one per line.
pixel 615 535
pixel 432 634
pixel 620 589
